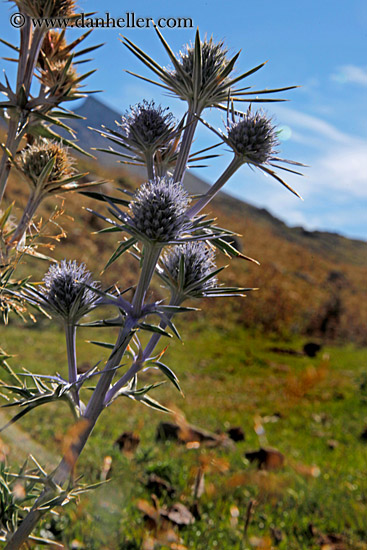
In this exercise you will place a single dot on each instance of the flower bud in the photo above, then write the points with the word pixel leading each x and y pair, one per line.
pixel 146 125
pixel 253 137
pixel 213 60
pixel 61 82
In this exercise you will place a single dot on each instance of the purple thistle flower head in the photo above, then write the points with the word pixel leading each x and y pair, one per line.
pixel 158 209
pixel 253 137
pixel 146 124
pixel 189 268
pixel 65 294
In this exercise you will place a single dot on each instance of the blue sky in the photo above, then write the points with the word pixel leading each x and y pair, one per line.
pixel 320 46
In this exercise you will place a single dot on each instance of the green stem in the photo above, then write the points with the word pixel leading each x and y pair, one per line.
pixel 150 165
pixel 150 258
pixel 70 335
pixel 187 139
pixel 228 173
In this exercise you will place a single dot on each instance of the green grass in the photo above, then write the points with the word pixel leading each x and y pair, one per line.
pixel 229 378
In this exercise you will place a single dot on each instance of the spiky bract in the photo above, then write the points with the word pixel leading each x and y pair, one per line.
pixel 60 78
pixel 158 209
pixel 54 48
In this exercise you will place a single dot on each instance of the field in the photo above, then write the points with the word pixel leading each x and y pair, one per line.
pixel 313 410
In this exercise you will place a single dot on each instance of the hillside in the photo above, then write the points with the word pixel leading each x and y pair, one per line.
pixel 333 245
pixel 310 282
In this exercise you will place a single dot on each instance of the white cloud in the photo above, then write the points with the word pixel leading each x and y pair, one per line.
pixel 351 74
pixel 315 125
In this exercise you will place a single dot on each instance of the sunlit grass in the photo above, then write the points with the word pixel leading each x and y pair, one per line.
pixel 304 405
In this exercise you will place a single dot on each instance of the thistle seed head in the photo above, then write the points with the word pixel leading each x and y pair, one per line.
pixel 145 124
pixel 62 82
pixel 253 137
pixel 34 158
pixel 54 48
pixel 158 209
pixel 213 60
pixel 64 292
pixel 46 8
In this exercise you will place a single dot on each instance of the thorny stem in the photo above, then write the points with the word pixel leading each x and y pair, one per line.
pixel 25 38
pixel 187 139
pixel 228 173
pixel 70 335
pixel 11 144
pixel 30 46
pixel 35 48
pixel 29 211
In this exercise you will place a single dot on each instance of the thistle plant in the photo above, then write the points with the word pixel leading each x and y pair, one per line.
pixel 33 109
pixel 169 237
pixel 202 76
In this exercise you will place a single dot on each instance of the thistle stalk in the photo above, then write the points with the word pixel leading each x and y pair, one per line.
pixel 137 365
pixel 187 139
pixel 70 335
pixel 150 258
pixel 11 145
pixel 149 160
pixel 216 187
pixel 25 39
pixel 36 45
pixel 29 51
pixel 29 211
